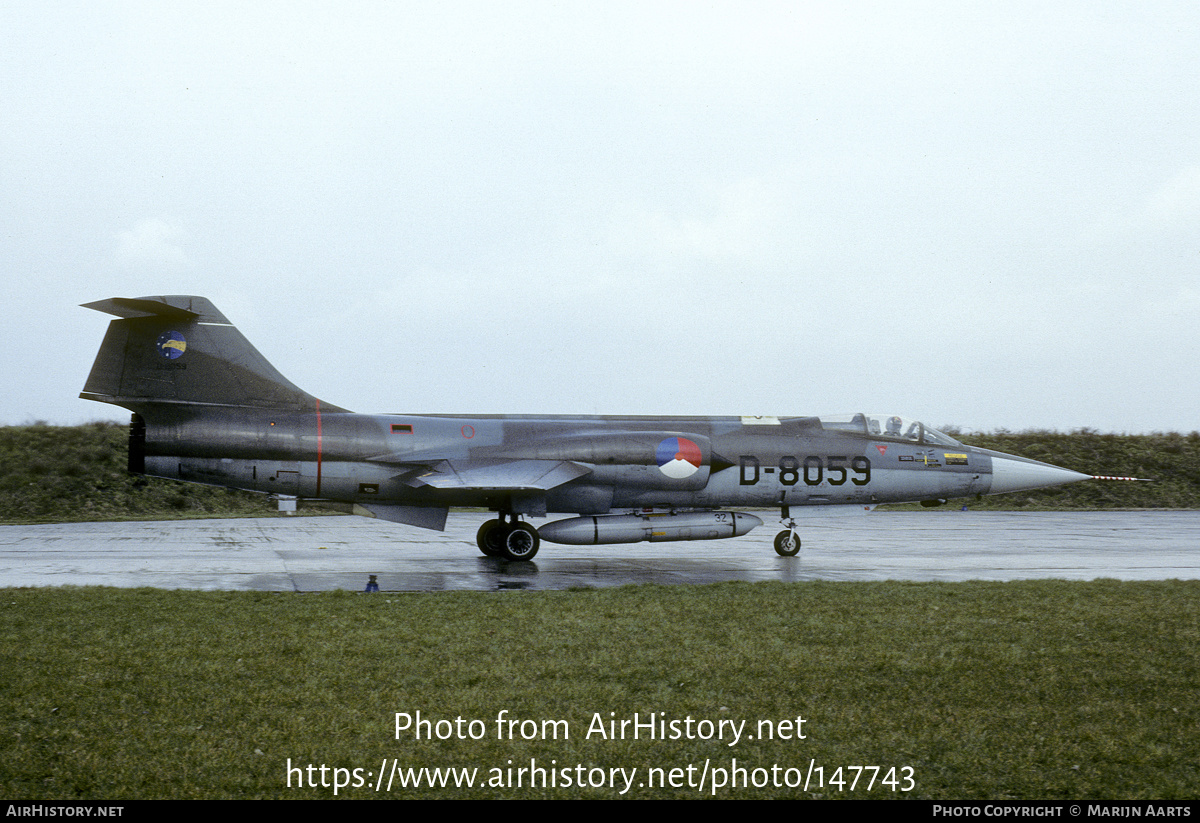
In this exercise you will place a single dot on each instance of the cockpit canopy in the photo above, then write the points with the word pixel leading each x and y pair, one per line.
pixel 887 426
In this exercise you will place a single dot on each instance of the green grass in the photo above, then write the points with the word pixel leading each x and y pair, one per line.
pixel 1041 689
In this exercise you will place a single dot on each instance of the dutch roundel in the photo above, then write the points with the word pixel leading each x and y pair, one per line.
pixel 678 457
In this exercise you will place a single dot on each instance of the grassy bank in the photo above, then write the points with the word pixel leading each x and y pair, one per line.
pixel 62 474
pixel 1041 689
pixel 1172 460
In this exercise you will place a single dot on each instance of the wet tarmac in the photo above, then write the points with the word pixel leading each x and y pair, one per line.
pixel 323 553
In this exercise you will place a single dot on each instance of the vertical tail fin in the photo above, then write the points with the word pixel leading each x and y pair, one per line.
pixel 179 350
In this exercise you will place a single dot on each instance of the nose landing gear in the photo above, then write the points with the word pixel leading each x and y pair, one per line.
pixel 787 542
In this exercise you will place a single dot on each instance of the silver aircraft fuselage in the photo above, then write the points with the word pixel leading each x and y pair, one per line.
pixel 757 462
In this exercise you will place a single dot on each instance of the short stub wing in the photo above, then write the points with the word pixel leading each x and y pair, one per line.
pixel 501 475
pixel 513 478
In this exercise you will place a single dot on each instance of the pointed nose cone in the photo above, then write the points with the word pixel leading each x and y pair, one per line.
pixel 1014 474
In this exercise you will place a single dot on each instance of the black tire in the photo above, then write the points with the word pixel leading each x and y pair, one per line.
pixel 490 538
pixel 521 542
pixel 786 545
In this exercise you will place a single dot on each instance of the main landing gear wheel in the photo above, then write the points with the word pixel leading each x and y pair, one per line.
pixel 489 538
pixel 521 542
pixel 513 541
pixel 787 544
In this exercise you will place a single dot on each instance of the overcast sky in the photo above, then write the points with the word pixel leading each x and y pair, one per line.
pixel 986 217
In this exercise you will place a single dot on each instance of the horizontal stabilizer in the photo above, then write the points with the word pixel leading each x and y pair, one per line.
pixel 539 475
pixel 182 308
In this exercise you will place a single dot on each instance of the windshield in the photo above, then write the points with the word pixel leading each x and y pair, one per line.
pixel 891 426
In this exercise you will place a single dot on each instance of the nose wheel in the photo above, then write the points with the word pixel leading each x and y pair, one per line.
pixel 512 539
pixel 787 542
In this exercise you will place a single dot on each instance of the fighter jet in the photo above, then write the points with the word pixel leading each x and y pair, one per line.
pixel 208 408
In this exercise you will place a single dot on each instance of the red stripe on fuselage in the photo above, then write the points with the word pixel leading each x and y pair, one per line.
pixel 318 447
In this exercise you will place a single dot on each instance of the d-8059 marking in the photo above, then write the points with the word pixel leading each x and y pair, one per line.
pixel 811 470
